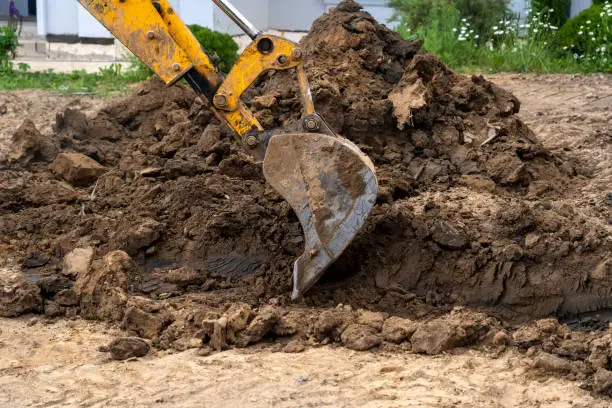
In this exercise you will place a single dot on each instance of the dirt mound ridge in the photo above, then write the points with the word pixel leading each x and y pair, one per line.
pixel 466 213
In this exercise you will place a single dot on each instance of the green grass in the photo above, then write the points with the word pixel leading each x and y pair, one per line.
pixel 111 80
pixel 530 47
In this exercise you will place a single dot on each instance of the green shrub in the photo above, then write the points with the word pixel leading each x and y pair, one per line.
pixel 558 10
pixel 220 46
pixel 482 15
pixel 222 49
pixel 8 46
pixel 589 34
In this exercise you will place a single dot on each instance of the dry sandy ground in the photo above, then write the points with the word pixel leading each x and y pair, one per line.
pixel 57 364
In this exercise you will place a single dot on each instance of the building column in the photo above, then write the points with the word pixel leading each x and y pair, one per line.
pixel 41 17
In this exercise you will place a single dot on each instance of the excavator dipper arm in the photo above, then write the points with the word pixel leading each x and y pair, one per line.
pixel 326 179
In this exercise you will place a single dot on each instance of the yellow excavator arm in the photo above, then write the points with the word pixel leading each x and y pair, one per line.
pixel 327 180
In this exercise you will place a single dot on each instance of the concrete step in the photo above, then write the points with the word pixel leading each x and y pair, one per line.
pixel 36 48
pixel 68 66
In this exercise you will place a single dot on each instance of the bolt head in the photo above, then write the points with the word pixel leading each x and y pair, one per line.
pixel 176 67
pixel 283 60
pixel 312 124
pixel 252 141
pixel 297 53
pixel 220 100
pixel 314 252
pixel 150 35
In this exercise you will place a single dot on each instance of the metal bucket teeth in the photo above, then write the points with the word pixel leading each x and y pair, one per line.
pixel 332 187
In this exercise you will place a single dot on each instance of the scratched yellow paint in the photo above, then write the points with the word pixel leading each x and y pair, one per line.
pixel 141 29
pixel 252 64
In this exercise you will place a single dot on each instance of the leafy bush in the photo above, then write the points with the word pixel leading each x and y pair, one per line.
pixel 590 32
pixel 511 46
pixel 9 36
pixel 557 9
pixel 221 47
pixel 419 15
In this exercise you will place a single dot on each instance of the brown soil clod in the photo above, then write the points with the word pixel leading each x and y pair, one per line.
pixel 189 246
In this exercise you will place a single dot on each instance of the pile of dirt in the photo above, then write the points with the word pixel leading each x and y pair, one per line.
pixel 151 215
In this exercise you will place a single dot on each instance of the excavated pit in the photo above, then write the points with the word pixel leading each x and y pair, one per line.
pixel 180 224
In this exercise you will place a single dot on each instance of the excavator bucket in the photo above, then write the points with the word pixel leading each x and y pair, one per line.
pixel 332 187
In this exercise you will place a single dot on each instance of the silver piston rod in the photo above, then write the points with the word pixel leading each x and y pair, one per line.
pixel 237 17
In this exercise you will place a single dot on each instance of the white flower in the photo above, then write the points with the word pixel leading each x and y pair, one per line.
pixel 477 36
pixel 552 10
pixel 535 30
pixel 461 38
pixel 454 30
pixel 495 27
pixel 554 28
pixel 601 14
pixel 591 33
pixel 565 48
pixel 580 32
pixel 464 19
pixel 588 21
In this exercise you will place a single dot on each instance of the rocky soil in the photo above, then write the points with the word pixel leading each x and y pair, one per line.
pixel 145 213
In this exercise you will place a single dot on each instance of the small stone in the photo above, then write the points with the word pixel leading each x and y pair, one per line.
pixel 552 363
pixel 332 323
pixel 148 323
pixel 397 330
pixel 602 382
pixel 205 351
pixel 33 321
pixel 52 285
pixel 209 139
pixel 526 336
pixel 151 172
pixel 261 325
pixel 17 295
pixel 103 349
pixel 184 276
pixel 102 289
pixel 531 240
pixel 126 347
pixel 477 182
pixel 238 316
pixel 218 339
pixel 29 145
pixel 264 102
pixel 77 262
pixel 139 236
pixel 547 325
pixel 360 337
pixel 501 338
pixel 433 338
pixel 373 319
pixel 77 169
pixel 66 297
pixel 53 309
pixel 294 346
pixel 446 235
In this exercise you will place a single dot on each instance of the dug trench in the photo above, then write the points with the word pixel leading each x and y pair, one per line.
pixel 149 214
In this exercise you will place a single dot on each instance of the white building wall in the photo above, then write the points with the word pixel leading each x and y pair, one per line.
pixel 21 5
pixel 67 17
pixel 256 11
pixel 294 15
